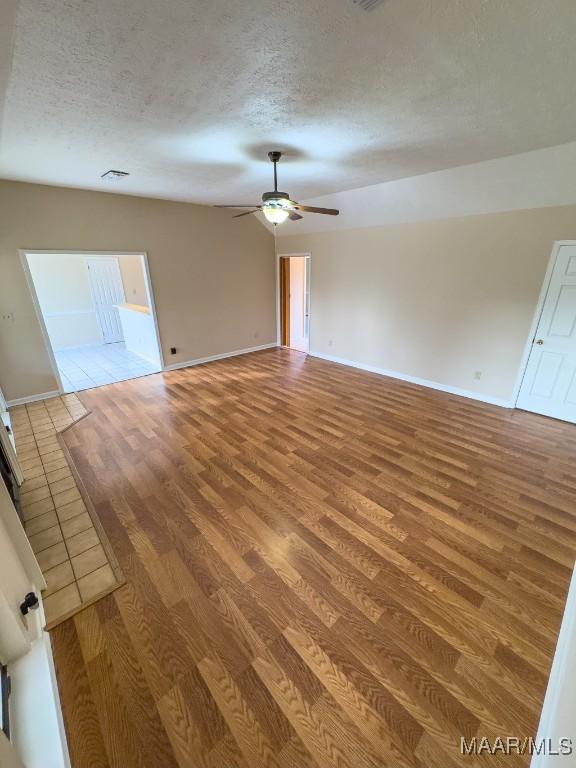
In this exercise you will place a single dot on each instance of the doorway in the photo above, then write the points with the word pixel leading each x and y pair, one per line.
pixel 97 315
pixel 295 301
pixel 549 382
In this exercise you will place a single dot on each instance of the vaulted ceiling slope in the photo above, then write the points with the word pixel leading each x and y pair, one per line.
pixel 188 95
pixel 543 178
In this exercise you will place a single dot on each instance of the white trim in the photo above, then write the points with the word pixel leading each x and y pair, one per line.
pixel 44 330
pixel 559 688
pixel 152 305
pixel 536 318
pixel 415 380
pixel 32 398
pixel 221 356
pixel 278 328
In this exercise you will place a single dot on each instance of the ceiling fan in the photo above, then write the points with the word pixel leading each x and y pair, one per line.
pixel 277 206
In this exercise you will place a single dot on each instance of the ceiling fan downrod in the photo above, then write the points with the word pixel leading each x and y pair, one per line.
pixel 275 157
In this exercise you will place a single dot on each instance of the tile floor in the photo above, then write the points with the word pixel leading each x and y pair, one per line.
pixel 92 366
pixel 68 547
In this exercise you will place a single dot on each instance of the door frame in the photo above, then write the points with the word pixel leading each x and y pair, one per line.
pixel 23 253
pixel 8 448
pixel 284 264
pixel 536 318
pixel 279 297
pixel 87 260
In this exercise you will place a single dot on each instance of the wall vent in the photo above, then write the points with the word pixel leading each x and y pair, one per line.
pixel 114 175
pixel 368 5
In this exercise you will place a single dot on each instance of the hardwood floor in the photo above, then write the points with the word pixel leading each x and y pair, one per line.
pixel 324 568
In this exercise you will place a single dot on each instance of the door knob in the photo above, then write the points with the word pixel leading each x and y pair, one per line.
pixel 30 602
pixel 540 341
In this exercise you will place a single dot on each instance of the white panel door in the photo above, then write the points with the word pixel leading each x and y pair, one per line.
pixel 107 292
pixel 549 384
pixel 298 304
pixel 19 574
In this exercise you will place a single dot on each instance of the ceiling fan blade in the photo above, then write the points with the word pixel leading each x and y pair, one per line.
pixel 252 205
pixel 313 209
pixel 294 216
pixel 246 213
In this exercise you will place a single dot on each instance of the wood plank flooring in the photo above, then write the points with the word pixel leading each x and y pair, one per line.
pixel 324 568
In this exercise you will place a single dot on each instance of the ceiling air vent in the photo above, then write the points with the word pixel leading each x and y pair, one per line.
pixel 114 175
pixel 368 5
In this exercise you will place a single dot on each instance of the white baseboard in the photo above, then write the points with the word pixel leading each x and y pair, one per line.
pixel 151 361
pixel 32 398
pixel 559 708
pixel 174 367
pixel 221 356
pixel 415 380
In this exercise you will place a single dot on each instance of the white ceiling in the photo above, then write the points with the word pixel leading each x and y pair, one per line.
pixel 188 95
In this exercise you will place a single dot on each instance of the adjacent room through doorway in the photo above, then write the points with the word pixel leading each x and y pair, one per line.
pixel 97 315
pixel 295 301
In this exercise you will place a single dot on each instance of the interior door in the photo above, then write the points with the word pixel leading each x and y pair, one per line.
pixel 284 301
pixel 107 292
pixel 549 384
pixel 298 304
pixel 19 574
pixel 8 448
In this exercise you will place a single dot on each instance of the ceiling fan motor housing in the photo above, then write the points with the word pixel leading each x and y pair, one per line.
pixel 274 197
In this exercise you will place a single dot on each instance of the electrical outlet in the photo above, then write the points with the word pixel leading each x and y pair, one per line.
pixel 172 350
pixel 330 342
pixel 478 375
pixel 8 317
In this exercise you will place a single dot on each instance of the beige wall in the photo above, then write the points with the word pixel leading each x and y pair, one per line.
pixel 212 277
pixel 133 279
pixel 435 300
pixel 63 291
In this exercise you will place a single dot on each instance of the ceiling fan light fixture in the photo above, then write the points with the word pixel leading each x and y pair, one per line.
pixel 277 206
pixel 275 214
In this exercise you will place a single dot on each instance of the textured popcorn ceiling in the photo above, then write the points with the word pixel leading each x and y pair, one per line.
pixel 188 95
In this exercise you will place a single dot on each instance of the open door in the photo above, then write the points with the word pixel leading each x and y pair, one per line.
pixel 7 450
pixel 549 383
pixel 295 302
pixel 107 293
pixel 19 575
pixel 285 301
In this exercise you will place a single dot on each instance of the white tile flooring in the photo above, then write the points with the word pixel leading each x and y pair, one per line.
pixel 87 367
